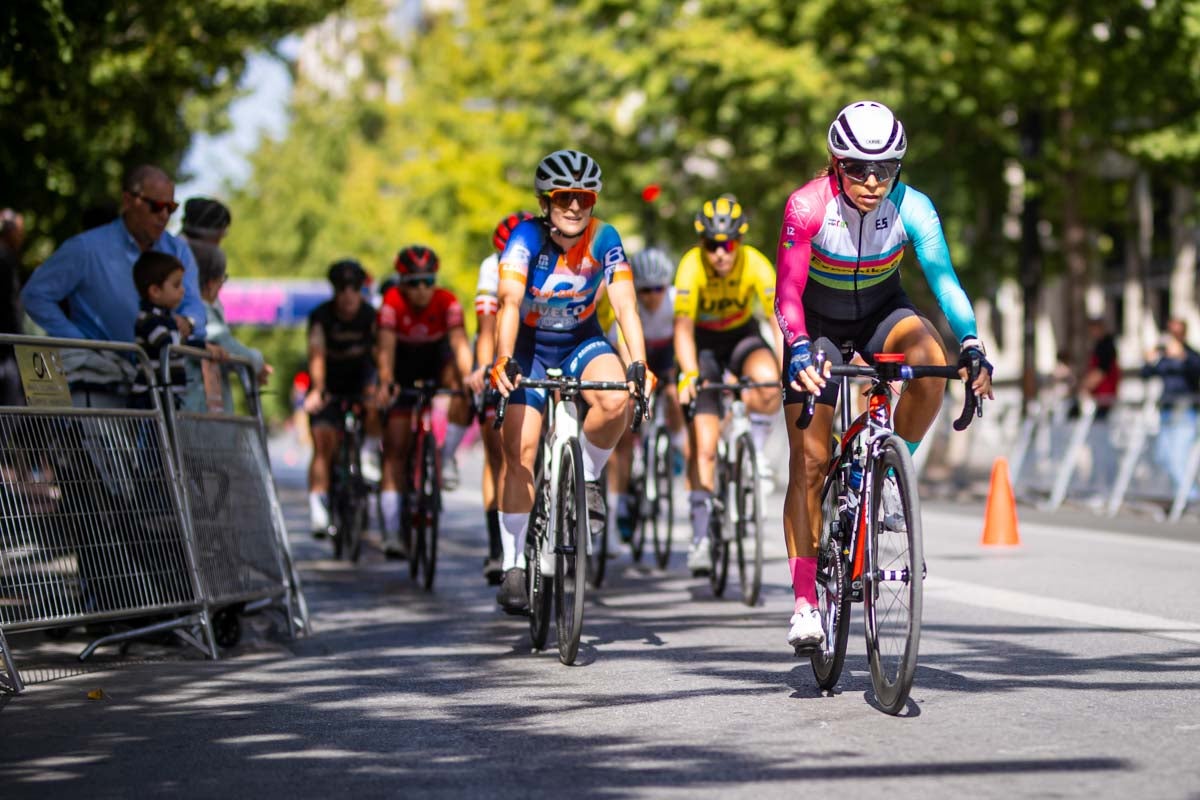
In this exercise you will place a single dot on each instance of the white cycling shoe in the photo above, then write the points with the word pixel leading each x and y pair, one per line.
pixel 699 560
pixel 805 631
pixel 893 509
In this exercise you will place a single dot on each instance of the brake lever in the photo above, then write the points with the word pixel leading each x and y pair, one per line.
pixel 972 403
pixel 810 399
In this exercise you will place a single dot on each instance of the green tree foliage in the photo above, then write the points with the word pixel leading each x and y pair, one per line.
pixel 88 88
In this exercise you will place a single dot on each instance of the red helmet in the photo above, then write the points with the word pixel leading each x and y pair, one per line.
pixel 506 226
pixel 416 259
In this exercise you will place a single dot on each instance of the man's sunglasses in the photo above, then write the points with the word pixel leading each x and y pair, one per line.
pixel 418 280
pixel 157 206
pixel 859 171
pixel 355 287
pixel 563 198
pixel 729 245
pixel 651 289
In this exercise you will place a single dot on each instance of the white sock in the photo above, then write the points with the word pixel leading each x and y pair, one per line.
pixel 594 458
pixel 700 513
pixel 371 445
pixel 318 510
pixel 760 429
pixel 512 538
pixel 389 503
pixel 454 437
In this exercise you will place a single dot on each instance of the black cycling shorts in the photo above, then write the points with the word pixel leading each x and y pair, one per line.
pixel 867 337
pixel 718 351
pixel 419 362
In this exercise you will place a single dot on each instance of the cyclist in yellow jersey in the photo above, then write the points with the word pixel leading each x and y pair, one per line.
pixel 716 331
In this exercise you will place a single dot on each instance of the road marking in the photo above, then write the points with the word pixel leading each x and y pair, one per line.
pixel 1083 613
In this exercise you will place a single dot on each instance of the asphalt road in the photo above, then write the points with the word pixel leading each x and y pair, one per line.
pixel 1067 667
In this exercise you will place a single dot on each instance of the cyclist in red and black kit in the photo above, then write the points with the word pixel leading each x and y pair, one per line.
pixel 341 341
pixel 421 338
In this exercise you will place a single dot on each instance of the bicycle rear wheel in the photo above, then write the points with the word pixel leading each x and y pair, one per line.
pixel 570 552
pixel 749 532
pixel 664 510
pixel 892 590
pixel 429 509
pixel 833 587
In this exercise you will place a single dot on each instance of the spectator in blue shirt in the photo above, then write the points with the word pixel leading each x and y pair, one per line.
pixel 1179 367
pixel 93 272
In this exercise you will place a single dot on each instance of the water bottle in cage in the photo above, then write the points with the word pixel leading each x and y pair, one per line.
pixel 856 472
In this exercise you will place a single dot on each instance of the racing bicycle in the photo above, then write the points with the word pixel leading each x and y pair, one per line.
pixel 349 491
pixel 650 485
pixel 870 547
pixel 556 560
pixel 735 519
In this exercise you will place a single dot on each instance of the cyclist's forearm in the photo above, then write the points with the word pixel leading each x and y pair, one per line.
pixel 462 350
pixel 485 343
pixel 386 358
pixel 508 324
pixel 316 371
pixel 685 345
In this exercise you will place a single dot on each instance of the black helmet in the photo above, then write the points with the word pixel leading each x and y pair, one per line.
pixel 347 272
pixel 721 219
pixel 416 259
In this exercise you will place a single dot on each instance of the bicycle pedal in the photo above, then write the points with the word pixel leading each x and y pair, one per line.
pixel 807 650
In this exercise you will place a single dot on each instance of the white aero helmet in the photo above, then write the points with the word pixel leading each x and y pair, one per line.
pixel 652 267
pixel 867 131
pixel 567 169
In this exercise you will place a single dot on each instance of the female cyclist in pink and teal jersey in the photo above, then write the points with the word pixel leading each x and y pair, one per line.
pixel 838 265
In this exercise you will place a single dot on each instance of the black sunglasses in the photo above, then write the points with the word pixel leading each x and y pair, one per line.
pixel 418 280
pixel 156 206
pixel 729 245
pixel 859 171
pixel 652 289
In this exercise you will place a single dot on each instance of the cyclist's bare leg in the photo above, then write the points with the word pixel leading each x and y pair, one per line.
pixel 921 401
pixel 325 442
pixel 493 463
pixel 809 455
pixel 760 367
pixel 704 432
pixel 521 436
pixel 397 439
pixel 608 412
pixel 458 418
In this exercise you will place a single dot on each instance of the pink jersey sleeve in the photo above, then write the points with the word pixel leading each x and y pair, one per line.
pixel 801 221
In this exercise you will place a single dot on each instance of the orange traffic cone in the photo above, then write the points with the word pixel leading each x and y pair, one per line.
pixel 1000 517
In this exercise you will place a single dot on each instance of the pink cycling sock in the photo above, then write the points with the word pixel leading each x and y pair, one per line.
pixel 804 582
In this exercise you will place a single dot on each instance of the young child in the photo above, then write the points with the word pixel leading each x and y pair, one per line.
pixel 159 281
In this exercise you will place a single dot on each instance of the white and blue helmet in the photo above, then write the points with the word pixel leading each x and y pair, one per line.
pixel 867 131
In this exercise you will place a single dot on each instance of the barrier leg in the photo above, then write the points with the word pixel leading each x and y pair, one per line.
pixel 1062 482
pixel 10 679
pixel 176 625
pixel 1129 463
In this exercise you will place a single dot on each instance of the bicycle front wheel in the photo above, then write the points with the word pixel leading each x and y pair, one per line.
pixel 429 510
pixel 539 584
pixel 892 589
pixel 718 545
pixel 833 586
pixel 597 550
pixel 410 533
pixel 570 552
pixel 639 509
pixel 663 511
pixel 748 532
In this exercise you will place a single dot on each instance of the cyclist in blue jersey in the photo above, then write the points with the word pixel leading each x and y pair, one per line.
pixel 838 265
pixel 550 273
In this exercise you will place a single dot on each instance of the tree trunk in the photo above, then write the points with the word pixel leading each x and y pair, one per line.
pixel 1074 245
pixel 1031 254
pixel 1184 235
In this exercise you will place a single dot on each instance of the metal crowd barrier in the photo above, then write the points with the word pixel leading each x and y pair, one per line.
pixel 160 517
pixel 91 517
pixel 1134 454
pixel 242 547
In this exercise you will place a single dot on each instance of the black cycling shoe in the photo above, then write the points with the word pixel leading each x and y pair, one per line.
pixel 395 550
pixel 320 533
pixel 597 509
pixel 512 596
pixel 493 571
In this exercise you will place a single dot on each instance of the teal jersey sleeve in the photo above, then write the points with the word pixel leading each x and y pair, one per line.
pixel 924 230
